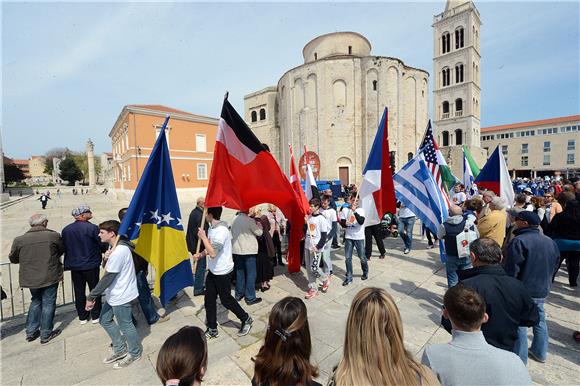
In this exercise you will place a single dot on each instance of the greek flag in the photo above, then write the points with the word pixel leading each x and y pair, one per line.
pixel 417 190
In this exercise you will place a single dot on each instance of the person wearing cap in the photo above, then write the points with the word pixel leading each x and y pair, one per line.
pixel 83 258
pixel 532 258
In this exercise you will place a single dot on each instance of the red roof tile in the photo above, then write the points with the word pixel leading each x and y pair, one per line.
pixel 531 123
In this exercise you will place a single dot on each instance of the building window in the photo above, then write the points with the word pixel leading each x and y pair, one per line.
pixel 375 85
pixel 524 160
pixel 445 110
pixel 546 159
pixel 158 130
pixel 254 116
pixel 200 143
pixel 128 172
pixel 504 150
pixel 202 171
pixel 315 56
pixel 459 137
pixel 571 160
pixel 571 144
pixel 459 41
pixel 445 43
pixel 546 146
pixel 445 73
pixel 445 138
pixel 459 73
pixel 350 50
pixel 262 114
pixel 409 156
pixel 458 104
pixel 524 148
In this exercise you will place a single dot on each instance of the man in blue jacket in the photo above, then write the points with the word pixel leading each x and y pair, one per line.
pixel 83 258
pixel 532 258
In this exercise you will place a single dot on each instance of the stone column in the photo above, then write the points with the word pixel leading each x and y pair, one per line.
pixel 91 163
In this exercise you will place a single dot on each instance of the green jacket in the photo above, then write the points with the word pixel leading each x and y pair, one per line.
pixel 38 251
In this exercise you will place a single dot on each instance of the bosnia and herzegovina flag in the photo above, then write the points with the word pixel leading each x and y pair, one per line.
pixel 153 224
pixel 377 191
pixel 244 174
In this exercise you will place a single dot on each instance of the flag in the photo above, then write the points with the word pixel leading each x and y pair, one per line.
pixel 495 176
pixel 417 190
pixel 468 178
pixel 311 189
pixel 295 182
pixel 472 165
pixel 377 192
pixel 153 223
pixel 436 163
pixel 244 174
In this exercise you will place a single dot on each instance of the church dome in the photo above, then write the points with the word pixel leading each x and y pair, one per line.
pixel 336 44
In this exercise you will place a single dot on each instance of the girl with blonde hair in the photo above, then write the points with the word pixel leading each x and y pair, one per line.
pixel 374 351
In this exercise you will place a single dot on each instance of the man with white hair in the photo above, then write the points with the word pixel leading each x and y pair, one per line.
pixel 38 251
pixel 493 225
pixel 486 196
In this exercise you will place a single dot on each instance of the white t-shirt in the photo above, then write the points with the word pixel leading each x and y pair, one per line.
pixel 405 212
pixel 459 198
pixel 124 287
pixel 316 225
pixel 354 231
pixel 223 263
pixel 330 215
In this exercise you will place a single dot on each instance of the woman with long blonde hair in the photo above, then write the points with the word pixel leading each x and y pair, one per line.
pixel 374 351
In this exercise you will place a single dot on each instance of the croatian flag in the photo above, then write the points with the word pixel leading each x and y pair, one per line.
pixel 377 192
pixel 495 176
pixel 295 182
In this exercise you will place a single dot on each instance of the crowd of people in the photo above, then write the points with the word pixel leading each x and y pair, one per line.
pixel 500 258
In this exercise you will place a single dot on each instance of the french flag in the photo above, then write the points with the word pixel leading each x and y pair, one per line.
pixel 495 176
pixel 377 192
pixel 244 174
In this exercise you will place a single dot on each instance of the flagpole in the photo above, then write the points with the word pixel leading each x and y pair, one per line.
pixel 198 239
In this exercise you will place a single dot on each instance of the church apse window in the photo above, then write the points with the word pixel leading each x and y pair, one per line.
pixel 458 137
pixel 459 38
pixel 350 50
pixel 375 85
pixel 445 138
pixel 254 116
pixel 262 114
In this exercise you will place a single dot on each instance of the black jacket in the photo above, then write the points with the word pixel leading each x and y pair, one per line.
pixel 508 304
pixel 193 225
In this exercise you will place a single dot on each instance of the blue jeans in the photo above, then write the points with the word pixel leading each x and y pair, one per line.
pixel 349 245
pixel 199 277
pixel 454 264
pixel 245 266
pixel 540 337
pixel 41 311
pixel 406 230
pixel 130 339
pixel 145 299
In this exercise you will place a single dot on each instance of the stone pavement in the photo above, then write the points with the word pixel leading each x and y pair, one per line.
pixel 417 281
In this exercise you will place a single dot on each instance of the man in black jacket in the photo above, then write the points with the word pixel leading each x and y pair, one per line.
pixel 508 303
pixel 193 225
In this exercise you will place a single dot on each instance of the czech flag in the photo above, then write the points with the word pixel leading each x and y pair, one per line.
pixel 495 176
pixel 377 192
pixel 244 174
pixel 153 224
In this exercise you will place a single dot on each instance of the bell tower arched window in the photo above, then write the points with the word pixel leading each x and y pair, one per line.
pixel 445 43
pixel 445 110
pixel 459 38
pixel 445 138
pixel 459 73
pixel 446 76
pixel 262 114
pixel 254 116
pixel 459 137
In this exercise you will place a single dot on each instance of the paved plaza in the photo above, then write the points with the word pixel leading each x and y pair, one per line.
pixel 416 281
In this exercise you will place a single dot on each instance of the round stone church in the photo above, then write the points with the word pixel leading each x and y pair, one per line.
pixel 333 103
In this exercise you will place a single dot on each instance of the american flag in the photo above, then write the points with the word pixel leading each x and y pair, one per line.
pixel 430 150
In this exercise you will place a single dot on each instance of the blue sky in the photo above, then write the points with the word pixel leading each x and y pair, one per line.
pixel 69 68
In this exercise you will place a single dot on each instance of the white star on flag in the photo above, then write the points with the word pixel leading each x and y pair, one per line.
pixel 179 223
pixel 138 224
pixel 167 218
pixel 155 216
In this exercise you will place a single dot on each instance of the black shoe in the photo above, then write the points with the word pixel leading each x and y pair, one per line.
pixel 52 335
pixel 239 298
pixel 264 289
pixel 255 301
pixel 346 282
pixel 33 337
pixel 212 333
pixel 364 277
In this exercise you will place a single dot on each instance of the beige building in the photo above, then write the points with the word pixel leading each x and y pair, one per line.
pixel 537 148
pixel 333 103
pixel 457 82
pixel 36 165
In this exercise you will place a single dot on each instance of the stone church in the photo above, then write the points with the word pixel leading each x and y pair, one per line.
pixel 333 103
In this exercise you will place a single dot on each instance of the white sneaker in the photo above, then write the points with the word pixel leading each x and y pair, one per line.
pixel 83 322
pixel 95 321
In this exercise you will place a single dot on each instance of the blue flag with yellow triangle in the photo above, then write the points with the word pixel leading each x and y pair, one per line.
pixel 153 224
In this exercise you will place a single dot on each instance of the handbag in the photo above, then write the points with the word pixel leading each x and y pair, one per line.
pixel 465 238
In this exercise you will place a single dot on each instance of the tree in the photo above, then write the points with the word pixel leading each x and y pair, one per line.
pixel 12 173
pixel 69 171
pixel 57 152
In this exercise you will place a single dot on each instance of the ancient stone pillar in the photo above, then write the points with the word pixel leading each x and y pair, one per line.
pixel 91 163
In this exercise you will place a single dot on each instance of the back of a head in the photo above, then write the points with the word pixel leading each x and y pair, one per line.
pixel 455 210
pixel 486 250
pixel 473 204
pixel 216 212
pixel 374 351
pixel 466 308
pixel 520 198
pixel 285 356
pixel 37 219
pixel 565 197
pixel 122 213
pixel 498 203
pixel 110 226
pixel 183 356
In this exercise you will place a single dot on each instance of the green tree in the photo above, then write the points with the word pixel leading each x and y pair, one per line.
pixel 69 171
pixel 12 173
pixel 57 152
